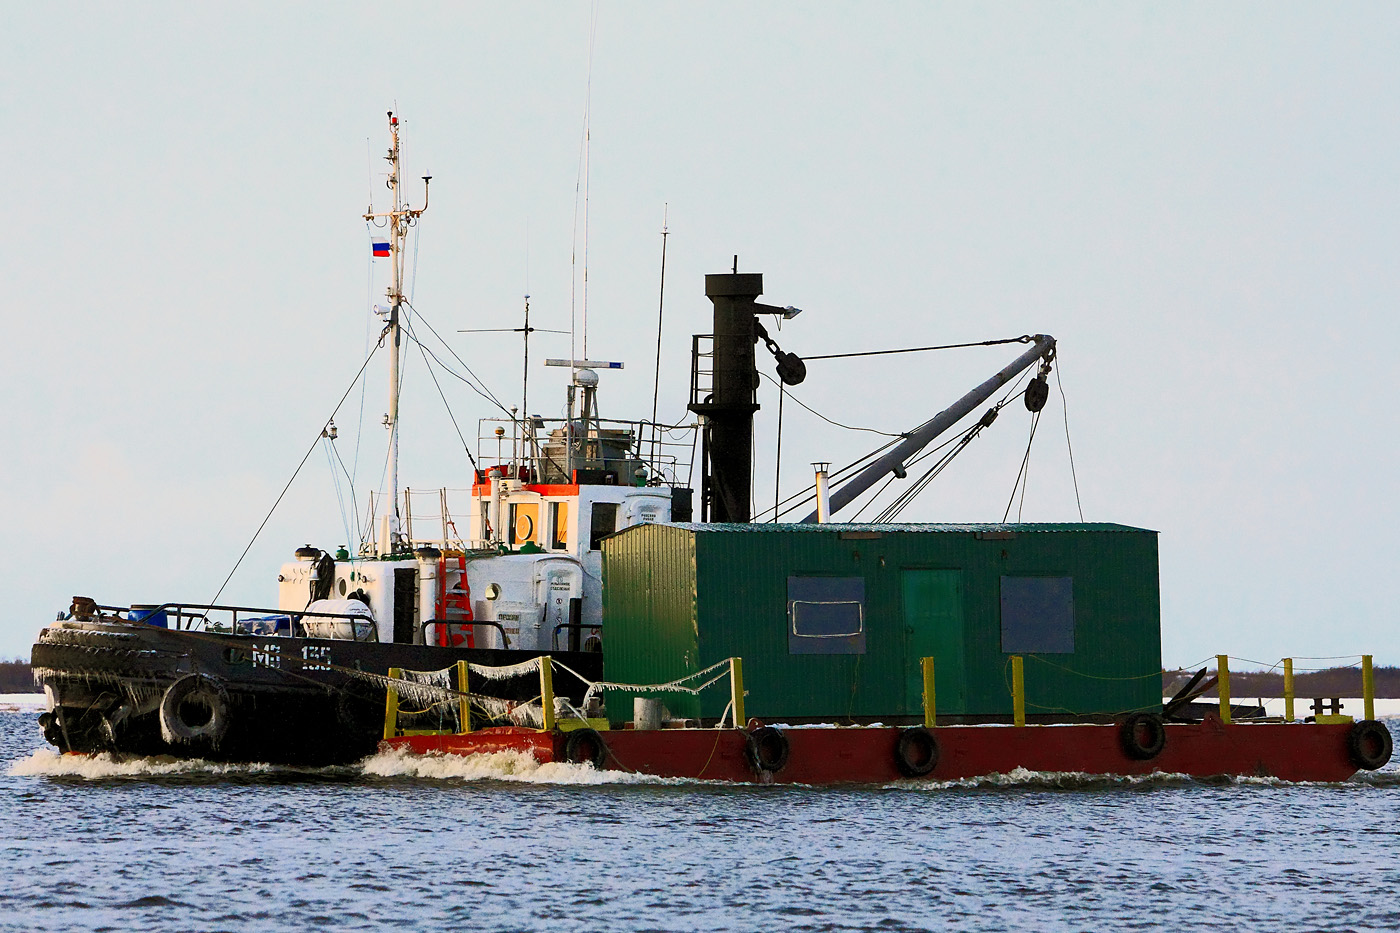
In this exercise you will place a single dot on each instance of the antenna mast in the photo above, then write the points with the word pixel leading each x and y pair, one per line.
pixel 660 311
pixel 397 220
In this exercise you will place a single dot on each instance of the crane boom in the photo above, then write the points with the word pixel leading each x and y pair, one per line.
pixel 917 439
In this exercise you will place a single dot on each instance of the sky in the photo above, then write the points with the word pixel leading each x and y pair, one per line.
pixel 1198 201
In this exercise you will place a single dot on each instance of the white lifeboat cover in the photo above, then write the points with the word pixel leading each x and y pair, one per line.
pixel 347 607
pixel 359 627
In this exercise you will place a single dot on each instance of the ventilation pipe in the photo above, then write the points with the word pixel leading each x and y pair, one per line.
pixel 823 493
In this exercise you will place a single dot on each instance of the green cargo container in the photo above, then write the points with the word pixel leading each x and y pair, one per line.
pixel 832 620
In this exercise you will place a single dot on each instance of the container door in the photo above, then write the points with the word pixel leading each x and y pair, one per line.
pixel 933 626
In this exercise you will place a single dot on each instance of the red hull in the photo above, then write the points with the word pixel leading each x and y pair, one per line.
pixel 1291 751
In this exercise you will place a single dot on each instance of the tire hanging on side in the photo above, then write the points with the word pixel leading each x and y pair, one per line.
pixel 916 752
pixel 1143 736
pixel 1369 745
pixel 586 747
pixel 180 720
pixel 767 749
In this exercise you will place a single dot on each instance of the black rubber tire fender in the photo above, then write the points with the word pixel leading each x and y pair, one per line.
pixel 1143 736
pixel 1369 745
pixel 204 689
pixel 767 749
pixel 916 752
pixel 586 747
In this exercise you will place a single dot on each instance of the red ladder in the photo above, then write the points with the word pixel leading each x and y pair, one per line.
pixel 454 606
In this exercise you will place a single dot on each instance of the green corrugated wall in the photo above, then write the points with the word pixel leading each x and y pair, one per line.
pixel 680 597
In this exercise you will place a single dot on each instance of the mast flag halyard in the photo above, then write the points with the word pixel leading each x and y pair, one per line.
pixel 394 224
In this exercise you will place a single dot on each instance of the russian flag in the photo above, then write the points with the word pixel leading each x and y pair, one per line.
pixel 379 244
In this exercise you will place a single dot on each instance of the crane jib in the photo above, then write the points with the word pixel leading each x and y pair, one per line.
pixel 917 439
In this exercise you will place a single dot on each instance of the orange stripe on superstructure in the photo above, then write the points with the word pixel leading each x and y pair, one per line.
pixel 543 489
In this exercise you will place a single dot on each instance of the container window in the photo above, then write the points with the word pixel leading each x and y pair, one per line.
pixel 826 615
pixel 1037 615
pixel 559 525
pixel 602 522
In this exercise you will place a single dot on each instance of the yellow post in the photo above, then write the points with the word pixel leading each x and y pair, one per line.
pixel 1018 690
pixel 391 705
pixel 547 692
pixel 1368 687
pixel 1222 663
pixel 1287 689
pixel 930 702
pixel 736 691
pixel 464 706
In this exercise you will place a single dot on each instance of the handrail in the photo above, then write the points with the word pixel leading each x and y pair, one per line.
pixel 554 640
pixel 178 610
pixel 423 627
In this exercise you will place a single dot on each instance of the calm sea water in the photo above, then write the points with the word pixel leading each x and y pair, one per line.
pixel 152 846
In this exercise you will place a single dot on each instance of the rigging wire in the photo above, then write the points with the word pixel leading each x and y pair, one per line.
pixel 1064 407
pixel 423 350
pixel 1024 338
pixel 778 457
pixel 309 451
pixel 809 493
pixel 478 385
pixel 892 510
pixel 581 190
pixel 329 446
pixel 1020 506
pixel 354 504
pixel 369 334
pixel 1022 473
pixel 838 424
pixel 875 495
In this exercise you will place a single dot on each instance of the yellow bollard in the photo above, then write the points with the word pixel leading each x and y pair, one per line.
pixel 930 698
pixel 464 706
pixel 1368 687
pixel 391 705
pixel 1287 689
pixel 547 692
pixel 1222 663
pixel 736 691
pixel 1018 690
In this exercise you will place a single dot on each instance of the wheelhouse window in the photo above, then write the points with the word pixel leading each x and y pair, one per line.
pixel 602 522
pixel 559 525
pixel 524 522
pixel 826 615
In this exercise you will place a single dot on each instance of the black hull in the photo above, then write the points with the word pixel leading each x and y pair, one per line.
pixel 295 701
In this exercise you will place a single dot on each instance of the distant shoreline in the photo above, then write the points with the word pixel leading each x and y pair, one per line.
pixel 17 677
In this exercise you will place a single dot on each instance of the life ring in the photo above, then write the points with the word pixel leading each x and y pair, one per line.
pixel 916 752
pixel 194 709
pixel 586 747
pixel 1369 744
pixel 1143 736
pixel 767 749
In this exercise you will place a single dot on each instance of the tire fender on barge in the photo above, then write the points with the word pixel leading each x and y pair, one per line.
pixel 1369 745
pixel 916 752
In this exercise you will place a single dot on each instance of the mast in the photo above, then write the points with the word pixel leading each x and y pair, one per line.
pixel 397 220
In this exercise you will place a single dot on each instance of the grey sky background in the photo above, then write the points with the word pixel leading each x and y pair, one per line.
pixel 1198 200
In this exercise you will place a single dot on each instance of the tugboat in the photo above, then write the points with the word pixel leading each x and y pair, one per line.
pixel 509 574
